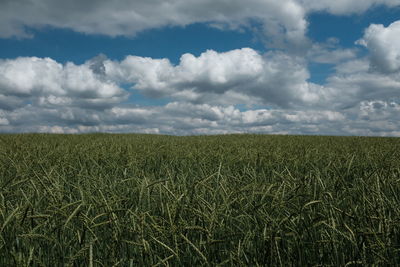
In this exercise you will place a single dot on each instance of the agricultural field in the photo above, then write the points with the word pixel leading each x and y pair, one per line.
pixel 232 200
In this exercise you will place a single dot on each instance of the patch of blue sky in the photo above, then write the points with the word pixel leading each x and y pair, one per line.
pixel 136 97
pixel 65 45
pixel 348 29
pixel 319 72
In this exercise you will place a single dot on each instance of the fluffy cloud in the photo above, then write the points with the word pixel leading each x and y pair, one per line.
pixel 47 82
pixel 372 79
pixel 241 76
pixel 383 44
pixel 355 82
pixel 211 71
pixel 232 92
pixel 274 78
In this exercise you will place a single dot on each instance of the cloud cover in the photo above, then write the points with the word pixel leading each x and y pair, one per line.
pixel 284 22
pixel 241 90
pixel 274 78
pixel 127 17
pixel 204 96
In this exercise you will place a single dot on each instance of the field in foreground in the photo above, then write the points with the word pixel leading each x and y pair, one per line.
pixel 127 200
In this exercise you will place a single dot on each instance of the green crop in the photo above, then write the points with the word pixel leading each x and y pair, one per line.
pixel 149 200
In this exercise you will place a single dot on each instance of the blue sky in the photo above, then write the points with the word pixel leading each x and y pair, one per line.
pixel 169 42
pixel 201 67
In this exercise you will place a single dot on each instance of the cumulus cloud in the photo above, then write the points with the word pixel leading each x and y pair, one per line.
pixel 355 82
pixel 383 44
pixel 241 76
pixel 274 78
pixel 367 89
pixel 50 83
pixel 232 92
pixel 374 78
pixel 366 86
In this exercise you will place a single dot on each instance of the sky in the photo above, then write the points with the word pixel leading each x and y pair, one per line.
pixel 194 67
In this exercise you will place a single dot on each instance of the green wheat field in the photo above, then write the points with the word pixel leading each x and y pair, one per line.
pixel 232 200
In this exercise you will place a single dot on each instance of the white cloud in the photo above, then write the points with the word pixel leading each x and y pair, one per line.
pixel 375 77
pixel 282 19
pixel 173 118
pixel 47 82
pixel 354 82
pixel 146 73
pixel 23 76
pixel 383 44
pixel 368 118
pixel 43 95
pixel 283 23
pixel 218 70
pixel 241 76
pixel 274 78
